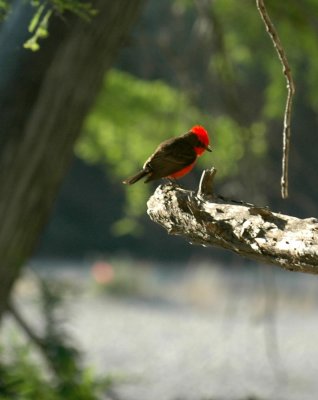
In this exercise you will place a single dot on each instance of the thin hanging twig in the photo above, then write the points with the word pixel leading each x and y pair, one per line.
pixel 290 93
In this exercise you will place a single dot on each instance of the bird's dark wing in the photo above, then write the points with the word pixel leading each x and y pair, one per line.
pixel 170 156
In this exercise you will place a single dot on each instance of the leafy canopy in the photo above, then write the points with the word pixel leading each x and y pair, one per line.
pixel 43 11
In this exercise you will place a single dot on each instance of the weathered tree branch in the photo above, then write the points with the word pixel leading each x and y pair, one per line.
pixel 250 231
pixel 290 92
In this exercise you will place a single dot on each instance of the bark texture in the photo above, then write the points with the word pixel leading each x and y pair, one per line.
pixel 250 231
pixel 39 130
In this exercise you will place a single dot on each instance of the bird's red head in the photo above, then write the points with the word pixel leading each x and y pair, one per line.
pixel 203 136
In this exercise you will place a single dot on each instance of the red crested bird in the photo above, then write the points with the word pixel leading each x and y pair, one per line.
pixel 174 157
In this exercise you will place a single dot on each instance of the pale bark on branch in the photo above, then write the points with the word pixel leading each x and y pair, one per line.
pixel 250 231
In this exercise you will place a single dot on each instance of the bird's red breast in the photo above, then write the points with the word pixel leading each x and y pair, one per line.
pixel 182 172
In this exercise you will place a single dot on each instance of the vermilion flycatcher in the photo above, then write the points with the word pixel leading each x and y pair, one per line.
pixel 174 157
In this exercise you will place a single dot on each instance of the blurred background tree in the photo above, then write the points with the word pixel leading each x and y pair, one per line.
pixel 44 98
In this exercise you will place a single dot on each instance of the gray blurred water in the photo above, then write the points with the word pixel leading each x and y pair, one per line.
pixel 203 332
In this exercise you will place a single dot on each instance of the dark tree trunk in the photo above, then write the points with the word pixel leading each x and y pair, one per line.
pixel 42 107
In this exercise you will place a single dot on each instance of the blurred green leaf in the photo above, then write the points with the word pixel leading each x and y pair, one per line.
pixel 59 375
pixel 4 8
pixel 39 24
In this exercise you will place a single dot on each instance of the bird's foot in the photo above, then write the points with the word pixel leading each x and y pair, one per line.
pixel 172 181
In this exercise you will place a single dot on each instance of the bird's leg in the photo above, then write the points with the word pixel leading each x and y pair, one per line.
pixel 172 181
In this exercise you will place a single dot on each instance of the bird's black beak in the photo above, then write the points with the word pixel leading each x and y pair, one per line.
pixel 208 148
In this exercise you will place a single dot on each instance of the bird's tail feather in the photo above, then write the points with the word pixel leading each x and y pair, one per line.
pixel 136 178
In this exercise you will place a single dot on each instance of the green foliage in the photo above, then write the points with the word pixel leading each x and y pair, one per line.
pixel 38 27
pixel 21 378
pixel 60 374
pixel 250 49
pixel 81 8
pixel 130 117
pixel 44 10
pixel 4 8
